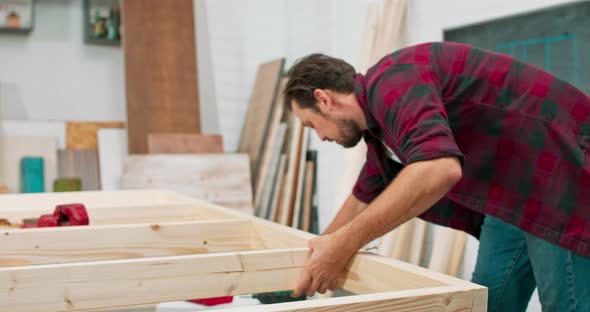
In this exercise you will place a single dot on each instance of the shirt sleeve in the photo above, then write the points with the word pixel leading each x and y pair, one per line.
pixel 407 100
pixel 369 183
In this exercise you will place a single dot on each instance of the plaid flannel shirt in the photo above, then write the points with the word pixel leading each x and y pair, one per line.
pixel 521 134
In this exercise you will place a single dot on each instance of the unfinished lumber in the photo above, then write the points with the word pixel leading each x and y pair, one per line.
pixel 308 196
pixel 270 174
pixel 273 261
pixel 184 143
pixel 288 199
pixel 102 283
pixel 260 108
pixel 36 246
pixel 223 179
pixel 272 146
pixel 301 158
pixel 277 190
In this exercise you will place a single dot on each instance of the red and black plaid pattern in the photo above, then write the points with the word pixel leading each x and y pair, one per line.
pixel 521 134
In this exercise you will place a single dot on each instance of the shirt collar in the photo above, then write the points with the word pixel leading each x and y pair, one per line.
pixel 360 91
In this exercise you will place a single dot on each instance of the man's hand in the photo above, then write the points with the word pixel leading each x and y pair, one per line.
pixel 326 264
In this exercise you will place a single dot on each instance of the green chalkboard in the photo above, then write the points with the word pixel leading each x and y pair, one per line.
pixel 556 39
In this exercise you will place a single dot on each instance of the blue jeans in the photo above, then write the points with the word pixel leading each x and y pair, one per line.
pixel 511 263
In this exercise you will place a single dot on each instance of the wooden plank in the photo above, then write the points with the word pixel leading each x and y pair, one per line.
pixel 441 251
pixel 112 151
pixel 223 179
pixel 288 199
pixel 308 199
pixel 438 299
pixel 80 163
pixel 300 176
pixel 260 108
pixel 36 246
pixel 13 149
pixel 277 191
pixel 46 202
pixel 160 69
pixel 270 175
pixel 272 146
pixel 457 253
pixel 84 135
pixel 138 281
pixel 121 214
pixel 184 143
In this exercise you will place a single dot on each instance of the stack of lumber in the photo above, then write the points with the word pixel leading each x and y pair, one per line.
pixel 283 166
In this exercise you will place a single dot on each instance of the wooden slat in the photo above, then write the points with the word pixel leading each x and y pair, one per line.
pixel 438 299
pixel 184 143
pixel 260 108
pixel 277 190
pixel 270 175
pixel 223 179
pixel 160 69
pixel 99 284
pixel 90 243
pixel 288 199
pixel 272 146
pixel 308 198
pixel 84 135
pixel 14 148
pixel 83 164
pixel 121 214
pixel 300 176
pixel 48 201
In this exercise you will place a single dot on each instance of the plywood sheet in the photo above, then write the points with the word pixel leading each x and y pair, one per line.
pixel 260 109
pixel 223 179
pixel 297 206
pixel 84 135
pixel 184 143
pixel 160 69
pixel 81 164
pixel 112 151
pixel 14 148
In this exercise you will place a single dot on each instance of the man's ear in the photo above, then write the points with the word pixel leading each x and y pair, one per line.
pixel 324 100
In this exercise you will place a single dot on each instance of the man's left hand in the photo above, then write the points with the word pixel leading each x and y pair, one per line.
pixel 326 264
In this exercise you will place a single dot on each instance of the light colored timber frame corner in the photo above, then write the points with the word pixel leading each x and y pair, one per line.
pixel 146 247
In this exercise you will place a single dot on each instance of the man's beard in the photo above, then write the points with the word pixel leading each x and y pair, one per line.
pixel 350 132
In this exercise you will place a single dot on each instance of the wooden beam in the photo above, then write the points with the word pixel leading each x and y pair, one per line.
pixel 48 201
pixel 126 214
pixel 260 108
pixel 71 244
pixel 437 299
pixel 92 285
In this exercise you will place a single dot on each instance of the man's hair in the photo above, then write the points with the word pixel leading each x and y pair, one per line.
pixel 317 71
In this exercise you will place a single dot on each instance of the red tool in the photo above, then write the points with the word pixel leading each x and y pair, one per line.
pixel 63 215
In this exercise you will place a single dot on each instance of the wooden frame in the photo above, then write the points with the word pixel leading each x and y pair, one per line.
pixel 146 247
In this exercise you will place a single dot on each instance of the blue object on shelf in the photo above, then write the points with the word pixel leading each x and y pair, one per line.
pixel 31 175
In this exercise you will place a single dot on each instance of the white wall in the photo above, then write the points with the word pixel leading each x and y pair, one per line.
pixel 52 75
